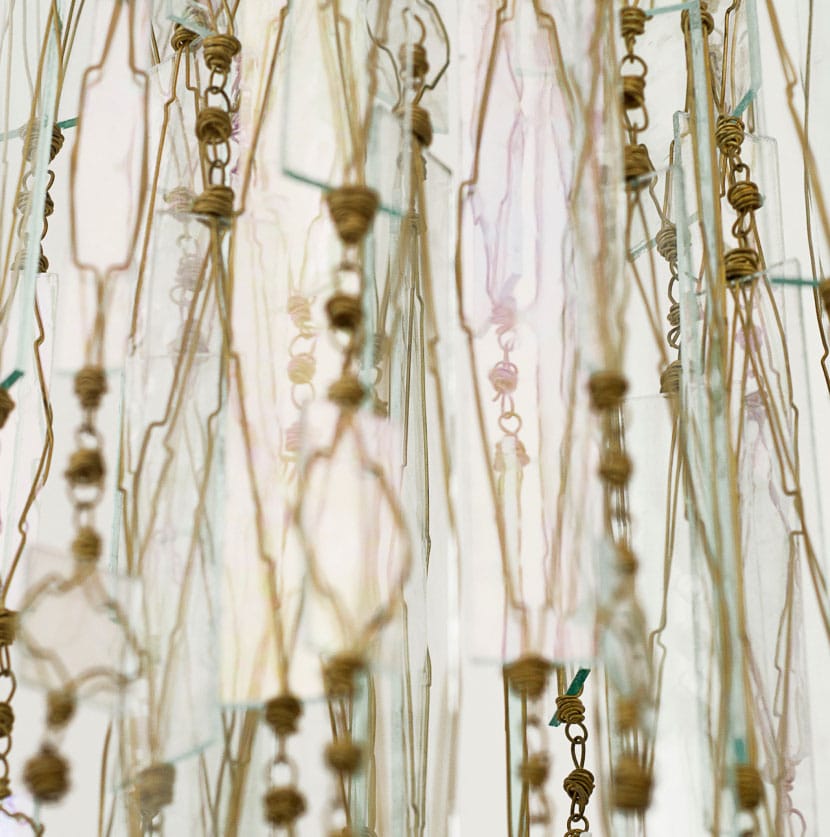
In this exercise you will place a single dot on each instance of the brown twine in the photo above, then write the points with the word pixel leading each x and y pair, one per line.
pixel 282 714
pixel 219 50
pixel 6 720
pixel 634 91
pixel 628 714
pixel 615 467
pixel 213 125
pixel 6 406
pixel 8 626
pixel 627 562
pixel 347 391
pixel 637 164
pixel 216 201
pixel 729 135
pixel 154 788
pixel 182 37
pixel 86 467
pixel 414 59
pixel 344 756
pixel 420 123
pixel 90 386
pixel 579 785
pixel 632 25
pixel 352 209
pixel 60 707
pixel 744 196
pixel 632 785
pixel 740 263
pixel 283 805
pixel 607 390
pixel 344 311
pixel 749 786
pixel 570 709
pixel 528 675
pixel 534 770
pixel 340 674
pixel 46 775
pixel 666 241
pixel 670 378
pixel 87 545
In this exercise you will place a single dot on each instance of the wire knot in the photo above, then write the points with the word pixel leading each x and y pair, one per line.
pixel 86 467
pixel 213 126
pixel 90 386
pixel 340 674
pixel 8 626
pixel 282 714
pixel 670 378
pixel 154 788
pixel 301 368
pixel 632 785
pixel 347 391
pixel 60 707
pixel 420 123
pixel 632 25
pixel 528 675
pixel 46 775
pixel 744 196
pixel 7 405
pixel 579 785
pixel 534 771
pixel 607 390
pixel 344 756
pixel 729 135
pixel 570 709
pixel 215 201
pixel 219 50
pixel 666 240
pixel 740 263
pixel 182 37
pixel 749 786
pixel 6 720
pixel 637 164
pixel 615 467
pixel 413 57
pixel 283 805
pixel 352 209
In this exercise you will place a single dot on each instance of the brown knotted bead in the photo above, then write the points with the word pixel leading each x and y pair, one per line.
pixel 749 787
pixel 632 785
pixel 347 392
pixel 607 390
pixel 528 675
pixel 534 770
pixel 8 626
pixel 46 775
pixel 90 386
pixel 345 311
pixel 6 406
pixel 86 547
pixel 219 50
pixel 282 714
pixel 86 467
pixel 60 707
pixel 283 806
pixel 154 788
pixel 352 209
pixel 579 785
pixel 615 467
pixel 344 756
pixel 6 720
pixel 340 674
